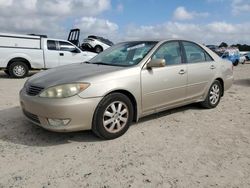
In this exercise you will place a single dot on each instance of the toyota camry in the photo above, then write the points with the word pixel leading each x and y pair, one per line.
pixel 124 83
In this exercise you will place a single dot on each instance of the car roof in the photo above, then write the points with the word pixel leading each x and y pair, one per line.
pixel 161 40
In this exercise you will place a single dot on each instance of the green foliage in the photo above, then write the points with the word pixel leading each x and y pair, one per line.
pixel 223 44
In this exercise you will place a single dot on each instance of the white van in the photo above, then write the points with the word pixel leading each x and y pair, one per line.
pixel 21 53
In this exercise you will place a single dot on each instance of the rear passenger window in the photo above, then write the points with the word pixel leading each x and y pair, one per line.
pixel 171 52
pixel 51 45
pixel 195 54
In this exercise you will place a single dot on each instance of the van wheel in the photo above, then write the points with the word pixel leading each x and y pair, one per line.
pixel 113 116
pixel 18 70
pixel 98 49
pixel 213 96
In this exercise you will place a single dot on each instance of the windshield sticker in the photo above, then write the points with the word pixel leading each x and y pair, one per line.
pixel 136 47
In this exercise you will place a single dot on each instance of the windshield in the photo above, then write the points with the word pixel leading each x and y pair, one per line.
pixel 124 54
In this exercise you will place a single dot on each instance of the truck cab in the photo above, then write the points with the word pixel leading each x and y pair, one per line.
pixel 21 53
pixel 62 52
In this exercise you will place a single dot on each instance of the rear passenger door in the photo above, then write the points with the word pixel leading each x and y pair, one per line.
pixel 51 54
pixel 201 70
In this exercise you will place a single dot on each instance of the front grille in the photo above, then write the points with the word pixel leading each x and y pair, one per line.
pixel 31 116
pixel 34 90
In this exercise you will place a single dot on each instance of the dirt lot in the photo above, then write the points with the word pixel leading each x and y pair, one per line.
pixel 184 147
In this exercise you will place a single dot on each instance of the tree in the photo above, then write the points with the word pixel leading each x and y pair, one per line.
pixel 223 44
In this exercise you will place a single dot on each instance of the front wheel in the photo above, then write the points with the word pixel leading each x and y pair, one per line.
pixel 113 116
pixel 18 70
pixel 213 96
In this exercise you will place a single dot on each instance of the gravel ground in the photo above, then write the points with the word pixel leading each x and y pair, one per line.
pixel 184 147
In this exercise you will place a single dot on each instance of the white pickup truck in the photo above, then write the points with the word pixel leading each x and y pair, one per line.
pixel 21 53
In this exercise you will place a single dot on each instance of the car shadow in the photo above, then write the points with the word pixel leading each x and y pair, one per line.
pixel 194 106
pixel 5 76
pixel 242 82
pixel 15 128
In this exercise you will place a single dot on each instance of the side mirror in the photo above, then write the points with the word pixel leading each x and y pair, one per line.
pixel 156 63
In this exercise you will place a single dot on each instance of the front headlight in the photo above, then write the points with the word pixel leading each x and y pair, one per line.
pixel 64 91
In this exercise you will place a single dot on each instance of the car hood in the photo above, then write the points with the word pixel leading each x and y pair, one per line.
pixel 73 73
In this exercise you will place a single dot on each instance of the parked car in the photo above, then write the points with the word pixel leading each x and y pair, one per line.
pixel 232 54
pixel 21 53
pixel 96 44
pixel 247 56
pixel 242 59
pixel 124 83
pixel 213 47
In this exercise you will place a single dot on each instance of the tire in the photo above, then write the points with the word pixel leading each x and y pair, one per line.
pixel 98 49
pixel 213 96
pixel 18 69
pixel 113 116
pixel 7 72
pixel 236 63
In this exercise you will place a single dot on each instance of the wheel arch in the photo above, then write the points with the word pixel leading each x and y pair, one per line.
pixel 131 98
pixel 19 59
pixel 222 84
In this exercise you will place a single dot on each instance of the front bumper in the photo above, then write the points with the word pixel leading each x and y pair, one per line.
pixel 80 111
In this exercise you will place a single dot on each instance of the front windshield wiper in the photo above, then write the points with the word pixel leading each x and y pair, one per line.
pixel 100 63
pixel 96 63
pixel 87 62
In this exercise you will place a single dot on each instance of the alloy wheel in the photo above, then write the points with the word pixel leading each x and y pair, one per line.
pixel 115 117
pixel 19 70
pixel 214 94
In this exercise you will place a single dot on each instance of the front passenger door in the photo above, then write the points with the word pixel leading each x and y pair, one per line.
pixel 69 53
pixel 164 86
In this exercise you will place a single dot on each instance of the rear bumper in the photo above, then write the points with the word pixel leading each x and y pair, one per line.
pixel 79 111
pixel 228 82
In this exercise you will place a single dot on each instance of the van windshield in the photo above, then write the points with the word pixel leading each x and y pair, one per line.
pixel 124 54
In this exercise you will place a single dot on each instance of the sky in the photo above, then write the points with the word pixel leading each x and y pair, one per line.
pixel 204 21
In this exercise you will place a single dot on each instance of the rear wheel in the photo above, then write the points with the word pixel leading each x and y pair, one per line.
pixel 18 69
pixel 98 49
pixel 113 116
pixel 213 96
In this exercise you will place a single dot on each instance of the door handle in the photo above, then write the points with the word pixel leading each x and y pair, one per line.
pixel 61 54
pixel 182 71
pixel 212 67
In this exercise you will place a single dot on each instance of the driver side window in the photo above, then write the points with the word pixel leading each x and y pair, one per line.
pixel 65 46
pixel 171 52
